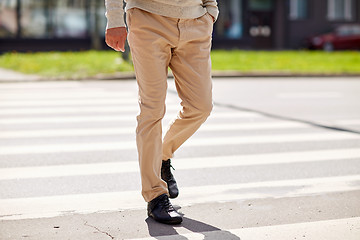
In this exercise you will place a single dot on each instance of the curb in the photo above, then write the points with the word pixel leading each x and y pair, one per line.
pixel 215 74
pixel 13 76
pixel 236 74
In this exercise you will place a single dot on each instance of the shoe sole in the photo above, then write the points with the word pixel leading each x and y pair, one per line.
pixel 171 222
pixel 173 196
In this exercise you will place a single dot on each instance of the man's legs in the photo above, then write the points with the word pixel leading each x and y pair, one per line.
pixel 150 43
pixel 156 42
pixel 151 38
pixel 191 66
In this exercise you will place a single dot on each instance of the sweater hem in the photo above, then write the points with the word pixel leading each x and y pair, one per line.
pixel 188 12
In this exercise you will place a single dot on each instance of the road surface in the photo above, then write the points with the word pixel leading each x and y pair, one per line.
pixel 277 159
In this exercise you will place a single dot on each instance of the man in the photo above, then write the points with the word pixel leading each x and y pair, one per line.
pixel 162 34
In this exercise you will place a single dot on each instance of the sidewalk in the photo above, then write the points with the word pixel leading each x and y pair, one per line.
pixel 12 76
pixel 250 219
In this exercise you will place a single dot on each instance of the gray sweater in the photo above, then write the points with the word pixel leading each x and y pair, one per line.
pixel 169 8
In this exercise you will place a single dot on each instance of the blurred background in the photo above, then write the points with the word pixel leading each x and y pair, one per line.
pixel 43 25
pixel 279 155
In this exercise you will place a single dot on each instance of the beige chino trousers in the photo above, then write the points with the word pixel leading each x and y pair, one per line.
pixel 156 43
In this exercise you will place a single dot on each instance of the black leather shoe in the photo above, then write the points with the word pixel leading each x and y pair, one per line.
pixel 167 176
pixel 162 211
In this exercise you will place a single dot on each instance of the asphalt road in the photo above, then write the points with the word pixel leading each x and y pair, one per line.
pixel 277 159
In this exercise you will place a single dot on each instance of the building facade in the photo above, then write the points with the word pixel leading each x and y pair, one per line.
pixel 35 25
pixel 279 24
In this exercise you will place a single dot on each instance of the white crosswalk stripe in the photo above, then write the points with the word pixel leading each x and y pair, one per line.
pixel 62 94
pixel 55 110
pixel 68 102
pixel 105 118
pixel 182 164
pixel 68 110
pixel 68 132
pixel 329 230
pixel 22 208
pixel 130 145
pixel 130 130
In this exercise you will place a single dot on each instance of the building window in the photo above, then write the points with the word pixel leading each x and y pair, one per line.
pixel 34 19
pixel 340 10
pixel 298 9
pixel 260 5
pixel 45 19
pixel 229 24
pixel 53 19
pixel 69 19
pixel 8 23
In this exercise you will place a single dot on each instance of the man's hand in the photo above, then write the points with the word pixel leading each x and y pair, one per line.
pixel 116 37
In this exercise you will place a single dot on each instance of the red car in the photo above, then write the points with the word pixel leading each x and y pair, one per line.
pixel 344 37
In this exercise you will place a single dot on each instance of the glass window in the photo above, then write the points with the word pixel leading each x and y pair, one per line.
pixel 99 18
pixel 51 18
pixel 229 24
pixel 102 21
pixel 340 10
pixel 298 9
pixel 69 19
pixel 8 22
pixel 260 5
pixel 33 19
pixel 349 30
pixel 356 30
pixel 344 31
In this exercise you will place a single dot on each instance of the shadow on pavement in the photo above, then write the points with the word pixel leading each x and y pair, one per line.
pixel 314 124
pixel 165 232
pixel 275 116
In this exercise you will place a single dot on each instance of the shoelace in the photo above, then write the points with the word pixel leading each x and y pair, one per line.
pixel 168 164
pixel 167 170
pixel 166 204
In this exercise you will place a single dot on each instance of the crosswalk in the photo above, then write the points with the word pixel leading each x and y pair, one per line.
pixel 329 230
pixel 59 137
